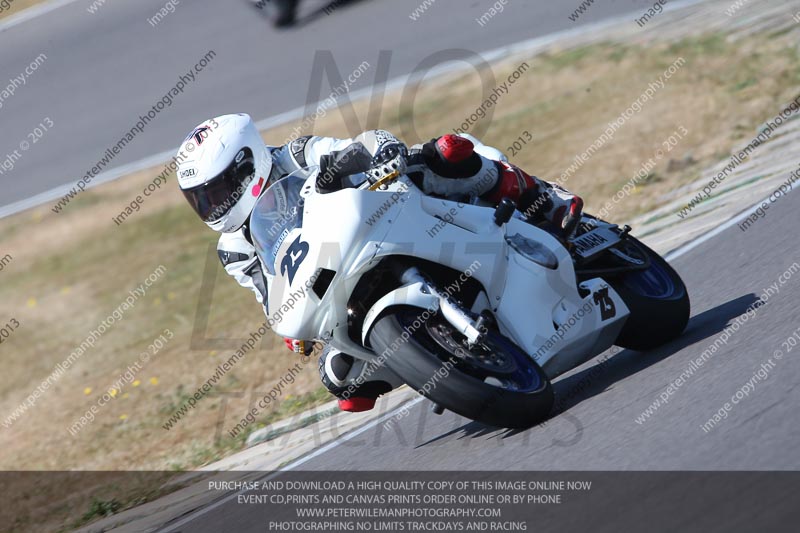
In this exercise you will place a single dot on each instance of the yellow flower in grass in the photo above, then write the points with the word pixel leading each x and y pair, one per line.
pixel 153 381
pixel 87 391
pixel 123 417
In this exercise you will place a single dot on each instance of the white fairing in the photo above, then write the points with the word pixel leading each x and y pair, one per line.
pixel 527 276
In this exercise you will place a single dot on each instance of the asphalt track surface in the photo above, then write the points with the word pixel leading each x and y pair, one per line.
pixel 105 69
pixel 596 429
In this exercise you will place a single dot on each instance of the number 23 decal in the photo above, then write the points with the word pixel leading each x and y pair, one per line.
pixel 295 254
pixel 606 304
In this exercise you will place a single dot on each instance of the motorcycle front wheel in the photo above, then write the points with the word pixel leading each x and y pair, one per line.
pixel 493 382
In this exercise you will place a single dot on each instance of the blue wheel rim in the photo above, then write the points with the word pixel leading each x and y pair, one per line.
pixel 525 377
pixel 655 282
pixel 526 372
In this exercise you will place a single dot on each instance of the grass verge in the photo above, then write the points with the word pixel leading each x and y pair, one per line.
pixel 15 6
pixel 70 270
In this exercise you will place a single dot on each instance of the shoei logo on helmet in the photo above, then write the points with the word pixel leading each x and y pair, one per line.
pixel 188 173
pixel 257 187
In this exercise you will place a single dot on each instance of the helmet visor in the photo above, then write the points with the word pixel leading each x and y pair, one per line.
pixel 216 197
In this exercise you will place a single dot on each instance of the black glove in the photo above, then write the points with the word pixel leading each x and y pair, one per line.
pixel 336 166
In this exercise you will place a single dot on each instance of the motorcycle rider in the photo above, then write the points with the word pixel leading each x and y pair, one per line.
pixel 284 10
pixel 224 167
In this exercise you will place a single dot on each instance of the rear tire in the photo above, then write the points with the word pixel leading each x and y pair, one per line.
pixel 658 302
pixel 453 383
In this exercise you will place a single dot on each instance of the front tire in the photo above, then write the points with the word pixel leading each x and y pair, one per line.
pixel 495 383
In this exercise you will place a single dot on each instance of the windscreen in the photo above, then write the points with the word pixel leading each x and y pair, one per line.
pixel 276 214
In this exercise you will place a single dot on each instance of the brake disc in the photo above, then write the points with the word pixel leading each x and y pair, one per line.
pixel 481 355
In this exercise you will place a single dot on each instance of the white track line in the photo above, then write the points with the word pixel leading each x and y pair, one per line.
pixel 691 245
pixel 111 175
pixel 293 465
pixel 299 112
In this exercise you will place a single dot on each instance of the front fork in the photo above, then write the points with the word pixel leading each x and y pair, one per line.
pixel 452 310
pixel 417 290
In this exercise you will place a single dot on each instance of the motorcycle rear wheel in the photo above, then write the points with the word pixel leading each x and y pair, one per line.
pixel 658 302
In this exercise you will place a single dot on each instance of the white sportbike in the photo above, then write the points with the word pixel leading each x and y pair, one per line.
pixel 470 305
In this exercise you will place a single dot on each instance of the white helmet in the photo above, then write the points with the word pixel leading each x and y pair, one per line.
pixel 223 167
